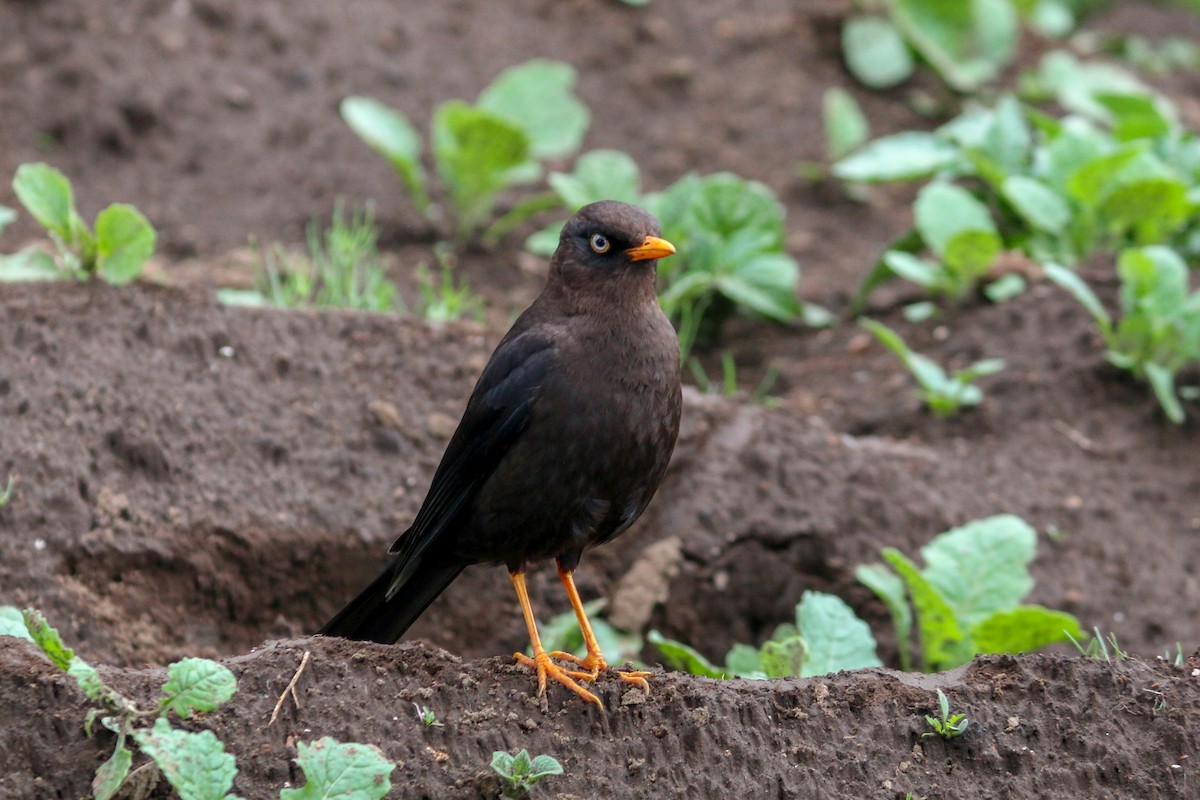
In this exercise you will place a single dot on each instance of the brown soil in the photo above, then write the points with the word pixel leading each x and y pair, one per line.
pixel 194 479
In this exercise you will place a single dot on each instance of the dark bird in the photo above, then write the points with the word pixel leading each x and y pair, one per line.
pixel 564 441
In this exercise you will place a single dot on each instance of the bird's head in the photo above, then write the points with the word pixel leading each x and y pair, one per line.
pixel 609 246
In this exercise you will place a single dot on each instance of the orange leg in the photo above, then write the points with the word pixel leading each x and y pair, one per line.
pixel 541 661
pixel 594 663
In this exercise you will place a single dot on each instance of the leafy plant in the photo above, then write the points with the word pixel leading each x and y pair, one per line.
pixel 968 43
pixel 1159 330
pixel 427 717
pixel 337 771
pixel 826 637
pixel 116 251
pixel 194 763
pixel 945 395
pixel 527 115
pixel 522 772
pixel 948 725
pixel 967 600
pixel 1119 170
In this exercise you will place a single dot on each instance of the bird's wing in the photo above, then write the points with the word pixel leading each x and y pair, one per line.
pixel 497 412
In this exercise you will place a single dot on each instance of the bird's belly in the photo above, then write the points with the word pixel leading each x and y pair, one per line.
pixel 560 490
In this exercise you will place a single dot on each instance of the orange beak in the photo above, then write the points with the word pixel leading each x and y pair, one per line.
pixel 651 247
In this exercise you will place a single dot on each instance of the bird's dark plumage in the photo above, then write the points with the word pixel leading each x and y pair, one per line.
pixel 566 435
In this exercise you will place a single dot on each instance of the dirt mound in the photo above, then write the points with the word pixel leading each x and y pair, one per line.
pixel 1040 726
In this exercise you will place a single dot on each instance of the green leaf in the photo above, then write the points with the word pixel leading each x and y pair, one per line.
pixel 196 684
pixel 875 53
pixel 1158 205
pixel 846 126
pixel 1092 181
pixel 783 657
pixel 678 656
pixel 1137 115
pixel 476 153
pixel 544 765
pixel 335 771
pixel 47 639
pixel 12 623
pixel 7 217
pixel 837 639
pixel 918 270
pixel 111 774
pixel 390 134
pixel 598 175
pixel 968 41
pixel 1038 204
pixel 124 240
pixel 1083 293
pixel 537 98
pixel 1162 382
pixel 544 242
pixel 1023 629
pixel 1005 288
pixel 89 681
pixel 1008 140
pixel 30 264
pixel 743 660
pixel 983 566
pixel 1076 85
pixel 906 156
pixel 196 764
pixel 46 194
pixel 890 589
pixel 944 645
pixel 944 210
pixel 968 255
pixel 765 284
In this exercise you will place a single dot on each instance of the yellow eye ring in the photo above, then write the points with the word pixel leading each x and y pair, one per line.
pixel 599 243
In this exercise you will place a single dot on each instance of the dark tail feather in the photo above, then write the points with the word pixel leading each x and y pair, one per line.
pixel 374 617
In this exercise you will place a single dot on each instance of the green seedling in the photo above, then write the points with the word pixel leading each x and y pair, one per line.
pixel 521 772
pixel 7 492
pixel 1159 330
pixel 116 251
pixel 967 600
pixel 728 385
pixel 527 115
pixel 967 43
pixel 193 685
pixel 445 298
pixel 343 269
pixel 1119 170
pixel 1098 647
pixel 945 395
pixel 826 637
pixel 194 763
pixel 427 717
pixel 947 725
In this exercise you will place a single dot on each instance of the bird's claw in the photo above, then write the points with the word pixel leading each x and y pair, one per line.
pixel 546 668
pixel 636 678
pixel 591 665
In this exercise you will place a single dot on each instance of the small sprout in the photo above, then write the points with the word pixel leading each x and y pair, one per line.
pixel 1098 647
pixel 522 772
pixel 948 725
pixel 428 717
pixel 945 395
pixel 7 493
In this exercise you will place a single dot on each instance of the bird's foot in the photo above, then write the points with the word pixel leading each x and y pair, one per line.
pixel 636 678
pixel 593 664
pixel 590 666
pixel 544 667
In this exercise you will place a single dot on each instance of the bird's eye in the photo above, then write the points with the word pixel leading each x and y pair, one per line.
pixel 599 243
